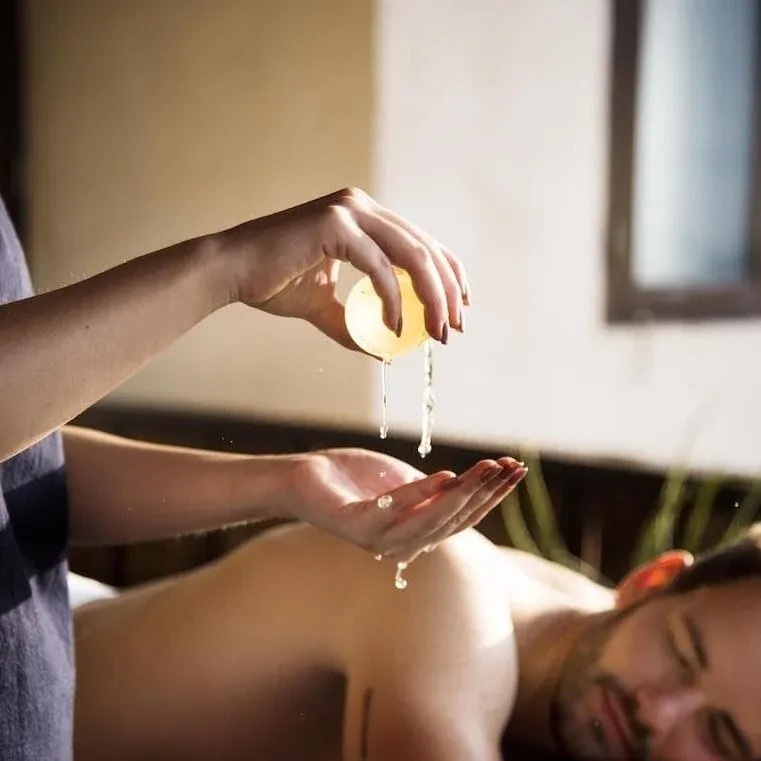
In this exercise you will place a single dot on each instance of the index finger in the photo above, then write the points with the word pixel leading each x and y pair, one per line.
pixel 418 519
pixel 413 256
pixel 361 251
pixel 451 269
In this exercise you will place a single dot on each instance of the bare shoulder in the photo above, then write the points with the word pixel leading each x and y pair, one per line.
pixel 443 647
pixel 566 581
pixel 454 610
pixel 415 658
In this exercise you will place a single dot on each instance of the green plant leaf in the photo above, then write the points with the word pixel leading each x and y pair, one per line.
pixel 515 525
pixel 548 535
pixel 657 534
pixel 700 514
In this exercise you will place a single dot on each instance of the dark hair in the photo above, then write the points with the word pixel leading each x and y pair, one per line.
pixel 737 561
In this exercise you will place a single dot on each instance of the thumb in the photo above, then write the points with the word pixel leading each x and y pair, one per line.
pixel 330 320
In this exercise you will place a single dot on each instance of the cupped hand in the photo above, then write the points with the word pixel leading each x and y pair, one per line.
pixel 338 491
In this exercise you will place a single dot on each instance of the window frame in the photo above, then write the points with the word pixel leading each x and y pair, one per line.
pixel 627 301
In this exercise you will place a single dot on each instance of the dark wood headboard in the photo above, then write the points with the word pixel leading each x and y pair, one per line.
pixel 600 508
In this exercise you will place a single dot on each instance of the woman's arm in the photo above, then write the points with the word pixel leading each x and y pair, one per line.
pixel 62 351
pixel 123 491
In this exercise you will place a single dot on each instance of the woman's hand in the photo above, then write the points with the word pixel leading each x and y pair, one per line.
pixel 338 491
pixel 287 263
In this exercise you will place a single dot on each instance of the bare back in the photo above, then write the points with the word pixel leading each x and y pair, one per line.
pixel 298 646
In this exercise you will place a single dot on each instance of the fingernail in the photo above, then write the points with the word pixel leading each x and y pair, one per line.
pixel 459 322
pixel 466 294
pixel 450 483
pixel 399 327
pixel 444 334
pixel 490 473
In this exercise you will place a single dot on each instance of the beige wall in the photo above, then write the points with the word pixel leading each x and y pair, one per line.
pixel 154 121
pixel 492 133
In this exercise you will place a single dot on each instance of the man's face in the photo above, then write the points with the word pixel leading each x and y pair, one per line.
pixel 677 678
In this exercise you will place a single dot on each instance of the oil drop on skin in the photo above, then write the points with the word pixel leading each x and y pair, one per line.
pixel 399 581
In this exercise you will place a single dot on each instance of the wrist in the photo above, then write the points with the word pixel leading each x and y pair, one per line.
pixel 272 486
pixel 217 268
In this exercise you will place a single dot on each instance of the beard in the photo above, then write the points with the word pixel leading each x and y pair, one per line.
pixel 576 734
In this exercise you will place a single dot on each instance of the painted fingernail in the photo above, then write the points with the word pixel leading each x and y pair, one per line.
pixel 450 483
pixel 444 334
pixel 508 473
pixel 519 475
pixel 466 294
pixel 490 473
pixel 459 322
pixel 399 326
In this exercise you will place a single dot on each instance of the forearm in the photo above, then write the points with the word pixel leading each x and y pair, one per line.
pixel 123 491
pixel 63 350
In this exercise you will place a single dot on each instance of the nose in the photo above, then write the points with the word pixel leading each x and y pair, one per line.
pixel 662 708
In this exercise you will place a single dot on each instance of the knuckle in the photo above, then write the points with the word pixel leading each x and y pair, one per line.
pixel 434 245
pixel 335 224
pixel 335 214
pixel 423 260
pixel 354 197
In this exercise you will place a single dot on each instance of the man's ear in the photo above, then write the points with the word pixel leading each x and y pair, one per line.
pixel 651 577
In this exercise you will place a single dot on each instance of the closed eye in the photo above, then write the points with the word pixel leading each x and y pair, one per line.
pixel 684 663
pixel 724 737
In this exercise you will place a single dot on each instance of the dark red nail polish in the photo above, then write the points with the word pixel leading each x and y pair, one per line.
pixel 399 327
pixel 459 322
pixel 490 473
pixel 517 476
pixel 445 334
pixel 450 483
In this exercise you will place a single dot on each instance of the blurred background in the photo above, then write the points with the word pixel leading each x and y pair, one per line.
pixel 595 164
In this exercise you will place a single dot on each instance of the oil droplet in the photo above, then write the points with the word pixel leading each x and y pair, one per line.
pixel 384 398
pixel 385 501
pixel 399 581
pixel 428 402
pixel 382 474
pixel 378 557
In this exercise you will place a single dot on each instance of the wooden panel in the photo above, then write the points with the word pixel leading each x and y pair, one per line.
pixel 600 509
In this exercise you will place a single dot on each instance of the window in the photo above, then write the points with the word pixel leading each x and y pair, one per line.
pixel 684 237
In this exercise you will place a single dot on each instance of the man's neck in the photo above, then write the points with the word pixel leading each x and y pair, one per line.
pixel 546 633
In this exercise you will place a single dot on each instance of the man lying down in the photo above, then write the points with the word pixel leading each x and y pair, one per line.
pixel 298 647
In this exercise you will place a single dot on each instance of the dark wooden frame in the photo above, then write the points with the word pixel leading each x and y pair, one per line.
pixel 627 301
pixel 11 110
